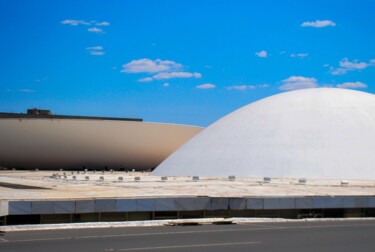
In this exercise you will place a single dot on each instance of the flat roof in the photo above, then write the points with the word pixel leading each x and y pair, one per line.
pixel 30 116
pixel 44 187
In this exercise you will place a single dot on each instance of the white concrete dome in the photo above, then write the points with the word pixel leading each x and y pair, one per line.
pixel 324 133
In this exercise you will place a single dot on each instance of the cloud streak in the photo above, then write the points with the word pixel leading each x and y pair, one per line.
pixel 299 55
pixel 94 29
pixel 102 23
pixel 150 66
pixel 298 82
pixel 246 87
pixel 345 66
pixel 318 23
pixel 73 22
pixel 171 75
pixel 161 69
pixel 262 54
pixel 23 90
pixel 356 84
pixel 95 50
pixel 206 86
pixel 301 82
pixel 26 90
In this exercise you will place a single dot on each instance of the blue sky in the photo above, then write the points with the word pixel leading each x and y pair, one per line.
pixel 188 62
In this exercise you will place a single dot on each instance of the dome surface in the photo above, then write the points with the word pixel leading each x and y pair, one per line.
pixel 324 133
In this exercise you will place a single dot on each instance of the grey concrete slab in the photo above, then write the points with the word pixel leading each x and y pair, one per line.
pixel 255 203
pixel 85 206
pixel 106 205
pixel 146 205
pixel 304 202
pixel 219 204
pixel 4 208
pixel 237 203
pixel 42 207
pixel 126 205
pixel 165 204
pixel 64 207
pixel 19 207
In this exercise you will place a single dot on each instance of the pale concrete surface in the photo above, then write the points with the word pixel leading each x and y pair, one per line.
pixel 152 186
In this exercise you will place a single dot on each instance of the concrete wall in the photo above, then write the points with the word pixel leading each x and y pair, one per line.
pixel 183 204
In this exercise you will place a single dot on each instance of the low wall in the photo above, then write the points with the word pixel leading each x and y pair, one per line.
pixel 182 204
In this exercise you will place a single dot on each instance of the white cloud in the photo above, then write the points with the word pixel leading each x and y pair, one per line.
pixel 237 87
pixel 299 55
pixel 372 61
pixel 166 84
pixel 318 23
pixel 161 69
pixel 97 53
pixel 150 66
pixel 41 79
pixel 170 75
pixel 75 22
pixel 346 65
pixel 356 84
pixel 206 86
pixel 241 87
pixel 95 50
pixel 26 90
pixel 147 79
pixel 298 82
pixel 102 23
pixel 95 30
pixel 262 54
pixel 246 87
pixel 338 71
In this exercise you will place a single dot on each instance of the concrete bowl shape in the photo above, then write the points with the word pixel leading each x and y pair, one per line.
pixel 326 133
pixel 92 144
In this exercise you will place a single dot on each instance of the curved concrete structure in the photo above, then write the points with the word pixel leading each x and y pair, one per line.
pixel 93 144
pixel 310 133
